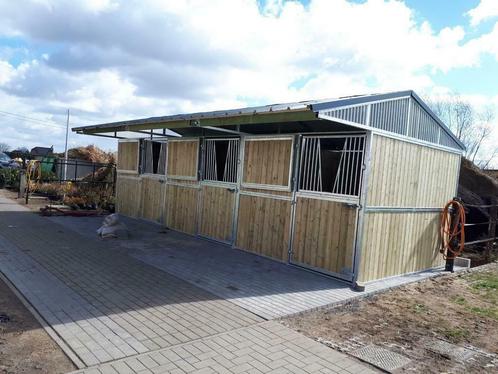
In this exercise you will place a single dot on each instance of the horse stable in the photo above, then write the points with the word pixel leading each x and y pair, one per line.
pixel 350 187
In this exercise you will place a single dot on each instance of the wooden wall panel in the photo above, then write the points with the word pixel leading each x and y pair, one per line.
pixel 324 235
pixel 128 195
pixel 128 156
pixel 398 243
pixel 217 213
pixel 267 161
pixel 263 226
pixel 152 199
pixel 181 212
pixel 410 175
pixel 182 158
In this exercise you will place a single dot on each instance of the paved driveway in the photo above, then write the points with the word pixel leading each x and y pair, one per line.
pixel 267 288
pixel 114 313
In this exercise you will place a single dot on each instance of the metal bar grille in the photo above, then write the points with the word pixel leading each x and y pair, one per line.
pixel 151 164
pixel 403 116
pixel 332 164
pixel 390 115
pixel 221 155
pixel 161 166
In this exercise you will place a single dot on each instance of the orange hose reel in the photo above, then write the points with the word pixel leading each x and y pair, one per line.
pixel 452 230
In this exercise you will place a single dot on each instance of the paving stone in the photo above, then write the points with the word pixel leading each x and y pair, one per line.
pixel 108 305
pixel 245 360
pixel 102 300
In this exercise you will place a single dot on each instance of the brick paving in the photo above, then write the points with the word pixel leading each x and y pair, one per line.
pixel 266 347
pixel 120 315
pixel 104 304
pixel 265 287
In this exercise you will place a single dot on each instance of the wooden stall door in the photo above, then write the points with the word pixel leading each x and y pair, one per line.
pixel 220 160
pixel 217 212
pixel 182 186
pixel 324 236
pixel 265 202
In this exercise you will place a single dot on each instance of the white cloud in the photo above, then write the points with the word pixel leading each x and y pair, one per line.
pixel 111 60
pixel 485 10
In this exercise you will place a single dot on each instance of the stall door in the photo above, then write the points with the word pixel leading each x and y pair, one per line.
pixel 327 202
pixel 219 188
pixel 182 190
pixel 324 235
pixel 265 201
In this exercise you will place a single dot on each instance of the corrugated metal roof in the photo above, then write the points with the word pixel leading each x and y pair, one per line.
pixel 302 106
pixel 271 108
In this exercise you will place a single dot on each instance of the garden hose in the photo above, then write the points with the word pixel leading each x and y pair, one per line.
pixel 452 230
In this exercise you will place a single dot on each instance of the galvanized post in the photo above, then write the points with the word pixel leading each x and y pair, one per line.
pixel 491 229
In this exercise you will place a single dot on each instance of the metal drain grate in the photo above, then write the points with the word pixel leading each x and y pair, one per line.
pixel 449 350
pixel 381 357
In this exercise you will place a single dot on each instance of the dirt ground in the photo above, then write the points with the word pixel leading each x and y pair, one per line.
pixel 25 347
pixel 460 308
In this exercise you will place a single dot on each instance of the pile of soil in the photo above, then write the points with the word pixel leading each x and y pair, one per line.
pixel 477 188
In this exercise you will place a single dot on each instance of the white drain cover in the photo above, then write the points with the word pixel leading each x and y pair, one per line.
pixel 381 357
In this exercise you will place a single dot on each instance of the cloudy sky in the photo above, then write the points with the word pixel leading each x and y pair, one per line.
pixel 110 60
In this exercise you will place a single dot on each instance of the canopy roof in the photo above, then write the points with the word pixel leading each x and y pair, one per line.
pixel 403 113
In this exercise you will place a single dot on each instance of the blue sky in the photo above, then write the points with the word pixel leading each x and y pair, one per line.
pixel 110 60
pixel 441 14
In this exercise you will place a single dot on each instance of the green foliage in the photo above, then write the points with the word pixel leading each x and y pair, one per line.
pixel 485 281
pixel 485 312
pixel 455 334
pixel 420 308
pixel 460 300
pixel 10 178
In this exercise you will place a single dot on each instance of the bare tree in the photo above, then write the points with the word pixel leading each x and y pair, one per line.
pixel 4 147
pixel 471 127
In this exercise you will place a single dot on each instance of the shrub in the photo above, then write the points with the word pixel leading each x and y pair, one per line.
pixel 10 178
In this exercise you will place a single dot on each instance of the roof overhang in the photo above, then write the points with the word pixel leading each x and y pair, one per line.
pixel 245 120
pixel 209 120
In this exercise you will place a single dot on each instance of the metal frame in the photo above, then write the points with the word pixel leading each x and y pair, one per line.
pixel 180 184
pixel 295 179
pixel 360 221
pixel 357 161
pixel 141 158
pixel 265 195
pixel 390 134
pixel 272 187
pixel 346 199
pixel 393 209
pixel 217 184
pixel 204 155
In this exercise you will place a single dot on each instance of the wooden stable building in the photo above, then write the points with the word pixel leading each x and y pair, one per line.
pixel 351 187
